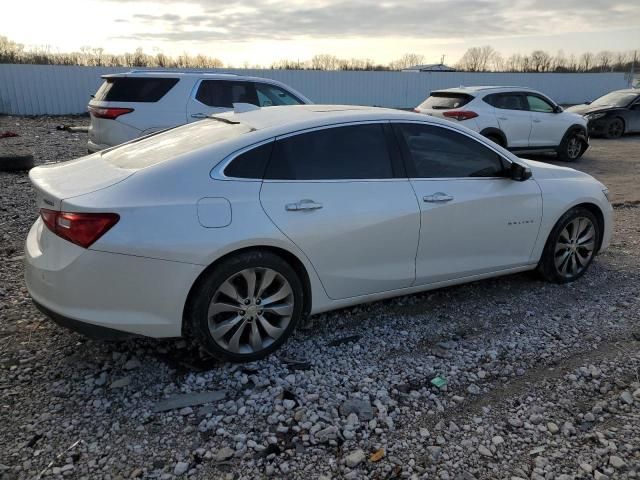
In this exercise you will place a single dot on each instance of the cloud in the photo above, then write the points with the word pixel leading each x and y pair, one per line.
pixel 246 20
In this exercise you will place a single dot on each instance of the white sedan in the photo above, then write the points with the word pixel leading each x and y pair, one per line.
pixel 233 229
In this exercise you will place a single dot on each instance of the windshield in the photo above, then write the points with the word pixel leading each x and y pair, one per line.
pixel 445 100
pixel 615 99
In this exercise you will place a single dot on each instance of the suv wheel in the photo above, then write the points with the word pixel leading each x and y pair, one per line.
pixel 572 147
pixel 615 128
pixel 247 307
pixel 571 246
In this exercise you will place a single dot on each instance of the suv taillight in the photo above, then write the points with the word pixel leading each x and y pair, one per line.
pixel 460 114
pixel 110 113
pixel 80 228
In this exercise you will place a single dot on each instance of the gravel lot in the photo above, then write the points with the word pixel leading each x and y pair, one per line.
pixel 543 381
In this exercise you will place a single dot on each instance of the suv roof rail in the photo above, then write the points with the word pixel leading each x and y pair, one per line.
pixel 167 70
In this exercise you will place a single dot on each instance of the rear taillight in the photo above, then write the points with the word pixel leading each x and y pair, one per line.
pixel 80 228
pixel 110 113
pixel 460 114
pixel 416 110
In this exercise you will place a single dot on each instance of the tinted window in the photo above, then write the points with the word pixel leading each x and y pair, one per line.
pixel 351 152
pixel 134 89
pixel 270 95
pixel 446 100
pixel 220 93
pixel 250 164
pixel 436 152
pixel 537 104
pixel 506 101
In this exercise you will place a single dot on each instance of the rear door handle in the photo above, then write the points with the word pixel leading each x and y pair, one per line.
pixel 303 205
pixel 536 120
pixel 438 197
pixel 199 115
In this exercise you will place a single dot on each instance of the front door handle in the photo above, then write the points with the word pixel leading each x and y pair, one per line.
pixel 503 118
pixel 199 115
pixel 536 120
pixel 303 205
pixel 438 197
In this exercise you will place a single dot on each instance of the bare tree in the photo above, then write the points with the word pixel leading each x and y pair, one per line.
pixel 604 60
pixel 540 61
pixel 477 59
pixel 586 61
pixel 407 60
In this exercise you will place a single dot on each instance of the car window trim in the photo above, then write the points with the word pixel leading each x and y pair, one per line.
pixel 396 171
pixel 410 167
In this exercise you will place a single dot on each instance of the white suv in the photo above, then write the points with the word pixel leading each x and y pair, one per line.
pixel 137 103
pixel 516 118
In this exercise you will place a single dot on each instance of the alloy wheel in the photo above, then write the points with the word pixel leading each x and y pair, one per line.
pixel 250 310
pixel 575 246
pixel 574 147
pixel 614 129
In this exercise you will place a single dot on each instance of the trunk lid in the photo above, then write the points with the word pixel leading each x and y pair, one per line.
pixel 57 182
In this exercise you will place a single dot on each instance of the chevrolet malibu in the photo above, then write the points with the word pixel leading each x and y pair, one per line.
pixel 233 229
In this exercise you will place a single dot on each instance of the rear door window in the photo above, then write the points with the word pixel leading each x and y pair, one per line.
pixel 348 152
pixel 223 94
pixel 445 100
pixel 134 89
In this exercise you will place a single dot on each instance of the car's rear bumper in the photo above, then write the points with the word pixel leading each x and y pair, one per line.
pixel 96 147
pixel 102 290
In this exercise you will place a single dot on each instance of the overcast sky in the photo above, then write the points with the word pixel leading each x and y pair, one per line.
pixel 263 31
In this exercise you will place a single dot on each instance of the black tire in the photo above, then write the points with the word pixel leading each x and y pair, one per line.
pixel 495 139
pixel 572 146
pixel 15 161
pixel 548 265
pixel 615 128
pixel 198 309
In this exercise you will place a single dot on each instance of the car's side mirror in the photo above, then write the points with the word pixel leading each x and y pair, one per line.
pixel 588 103
pixel 558 109
pixel 519 173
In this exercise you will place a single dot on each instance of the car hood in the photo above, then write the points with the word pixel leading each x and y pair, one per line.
pixel 541 170
pixel 586 109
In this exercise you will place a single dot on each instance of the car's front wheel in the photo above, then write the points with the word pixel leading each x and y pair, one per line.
pixel 571 246
pixel 246 307
pixel 615 128
pixel 572 147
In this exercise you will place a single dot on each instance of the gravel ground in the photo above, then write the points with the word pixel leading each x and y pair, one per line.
pixel 542 381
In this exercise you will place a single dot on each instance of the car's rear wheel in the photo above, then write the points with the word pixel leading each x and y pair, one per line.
pixel 615 128
pixel 571 246
pixel 247 306
pixel 572 147
pixel 495 139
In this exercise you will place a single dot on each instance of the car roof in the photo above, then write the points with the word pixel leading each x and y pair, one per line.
pixel 485 88
pixel 180 74
pixel 309 116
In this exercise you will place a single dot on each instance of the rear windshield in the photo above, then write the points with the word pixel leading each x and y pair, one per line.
pixel 172 143
pixel 134 89
pixel 446 100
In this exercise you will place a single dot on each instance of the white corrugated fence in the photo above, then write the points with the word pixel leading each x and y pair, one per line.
pixel 60 90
